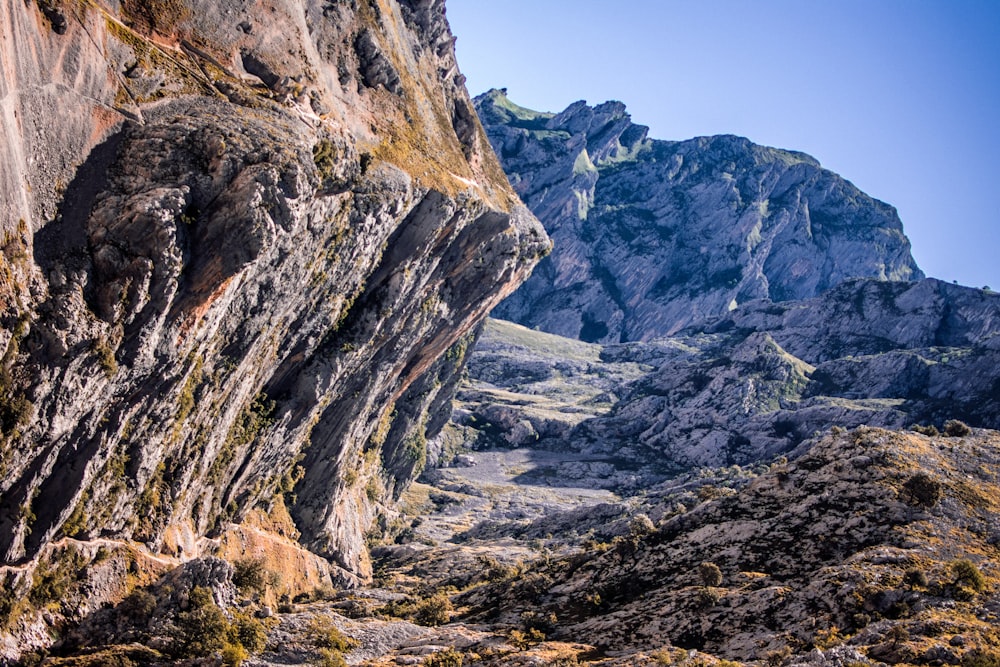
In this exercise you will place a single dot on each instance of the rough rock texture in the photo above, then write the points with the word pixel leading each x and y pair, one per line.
pixel 236 255
pixel 819 557
pixel 743 387
pixel 651 236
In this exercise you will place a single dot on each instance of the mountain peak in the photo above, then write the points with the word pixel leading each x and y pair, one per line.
pixel 651 236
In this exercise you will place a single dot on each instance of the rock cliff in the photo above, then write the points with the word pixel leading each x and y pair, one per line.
pixel 651 235
pixel 239 241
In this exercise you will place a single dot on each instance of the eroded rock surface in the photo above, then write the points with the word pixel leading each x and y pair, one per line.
pixel 232 267
pixel 651 236
pixel 740 388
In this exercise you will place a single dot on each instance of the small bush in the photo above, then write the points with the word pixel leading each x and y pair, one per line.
pixel 915 577
pixel 249 575
pixel 930 430
pixel 324 634
pixel 248 632
pixel 967 573
pixel 923 490
pixel 203 630
pixel 956 429
pixel 137 608
pixel 433 611
pixel 710 574
pixel 981 658
pixel 707 597
pixel 106 357
pixel 447 658
pixel 328 657
pixel 523 640
pixel 233 655
pixel 641 525
pixel 51 582
pixel 536 620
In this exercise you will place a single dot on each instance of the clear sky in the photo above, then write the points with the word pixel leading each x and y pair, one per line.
pixel 901 97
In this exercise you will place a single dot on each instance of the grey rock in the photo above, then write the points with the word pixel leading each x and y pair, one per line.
pixel 214 295
pixel 744 387
pixel 651 236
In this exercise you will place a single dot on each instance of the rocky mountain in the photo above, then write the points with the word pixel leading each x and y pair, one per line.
pixel 743 387
pixel 239 241
pixel 651 235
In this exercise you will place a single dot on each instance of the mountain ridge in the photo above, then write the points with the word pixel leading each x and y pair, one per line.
pixel 632 219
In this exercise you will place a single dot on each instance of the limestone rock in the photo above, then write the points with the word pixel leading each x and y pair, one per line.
pixel 651 236
pixel 233 265
pixel 746 386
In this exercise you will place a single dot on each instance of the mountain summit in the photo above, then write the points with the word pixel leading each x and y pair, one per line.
pixel 652 235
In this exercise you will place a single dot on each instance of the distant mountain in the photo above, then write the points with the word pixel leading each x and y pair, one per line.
pixel 651 236
pixel 743 387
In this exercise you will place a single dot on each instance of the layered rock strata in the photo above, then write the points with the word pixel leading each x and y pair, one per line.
pixel 235 255
pixel 743 387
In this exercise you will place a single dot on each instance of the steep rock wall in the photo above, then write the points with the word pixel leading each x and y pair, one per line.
pixel 651 235
pixel 219 297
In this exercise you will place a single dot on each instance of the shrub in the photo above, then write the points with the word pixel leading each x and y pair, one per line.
pixel 447 658
pixel 641 525
pixel 923 490
pixel 915 577
pixel 707 597
pixel 328 657
pixel 203 630
pixel 324 634
pixel 536 620
pixel 137 608
pixel 956 429
pixel 233 655
pixel 981 658
pixel 930 430
pixel 51 582
pixel 248 632
pixel 523 640
pixel 433 611
pixel 249 575
pixel 967 573
pixel 710 574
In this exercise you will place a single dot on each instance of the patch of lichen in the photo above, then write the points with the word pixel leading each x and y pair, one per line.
pixel 183 78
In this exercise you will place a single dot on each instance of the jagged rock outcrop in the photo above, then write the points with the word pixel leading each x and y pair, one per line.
pixel 747 386
pixel 651 236
pixel 868 547
pixel 236 254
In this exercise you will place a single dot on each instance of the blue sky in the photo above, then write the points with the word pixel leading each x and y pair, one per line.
pixel 901 97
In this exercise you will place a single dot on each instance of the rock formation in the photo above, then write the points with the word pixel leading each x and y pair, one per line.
pixel 871 547
pixel 651 236
pixel 742 387
pixel 238 242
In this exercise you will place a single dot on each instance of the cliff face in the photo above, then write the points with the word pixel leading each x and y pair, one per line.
pixel 652 235
pixel 233 262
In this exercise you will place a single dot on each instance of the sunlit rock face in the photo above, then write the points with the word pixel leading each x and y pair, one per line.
pixel 651 236
pixel 238 241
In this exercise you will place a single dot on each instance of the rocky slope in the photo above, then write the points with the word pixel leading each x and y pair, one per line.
pixel 651 235
pixel 871 547
pixel 232 268
pixel 740 388
pixel 864 547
